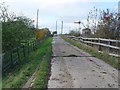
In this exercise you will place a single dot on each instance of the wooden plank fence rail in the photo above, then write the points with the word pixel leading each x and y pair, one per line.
pixel 102 45
pixel 14 56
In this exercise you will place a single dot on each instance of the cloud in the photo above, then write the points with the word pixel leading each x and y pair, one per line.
pixel 51 11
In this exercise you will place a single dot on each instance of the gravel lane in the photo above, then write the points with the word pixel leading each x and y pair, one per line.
pixel 73 68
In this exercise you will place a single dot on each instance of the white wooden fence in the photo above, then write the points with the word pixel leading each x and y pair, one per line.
pixel 102 45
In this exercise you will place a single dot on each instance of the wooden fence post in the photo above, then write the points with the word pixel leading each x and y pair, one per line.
pixel 11 57
pixel 24 50
pixel 99 45
pixel 28 47
pixel 109 43
pixel 33 46
pixel 18 54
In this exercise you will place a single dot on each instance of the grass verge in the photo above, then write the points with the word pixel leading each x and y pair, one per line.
pixel 20 73
pixel 113 61
pixel 43 71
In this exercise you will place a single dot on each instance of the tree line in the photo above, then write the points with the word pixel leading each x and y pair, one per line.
pixel 15 29
pixel 102 23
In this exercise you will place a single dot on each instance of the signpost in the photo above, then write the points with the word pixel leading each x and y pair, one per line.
pixel 78 22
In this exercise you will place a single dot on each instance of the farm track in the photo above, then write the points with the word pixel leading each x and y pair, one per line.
pixel 73 68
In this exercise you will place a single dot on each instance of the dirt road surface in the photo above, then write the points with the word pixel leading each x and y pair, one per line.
pixel 73 68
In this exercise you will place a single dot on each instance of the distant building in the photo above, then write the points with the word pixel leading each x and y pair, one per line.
pixel 86 32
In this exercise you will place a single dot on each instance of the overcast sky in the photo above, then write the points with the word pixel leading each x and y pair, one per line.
pixel 51 11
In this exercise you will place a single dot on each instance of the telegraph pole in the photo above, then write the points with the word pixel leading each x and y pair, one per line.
pixel 56 25
pixel 62 28
pixel 37 19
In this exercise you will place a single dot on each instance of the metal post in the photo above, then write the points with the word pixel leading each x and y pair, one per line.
pixel 79 27
pixel 62 28
pixel 79 22
pixel 56 25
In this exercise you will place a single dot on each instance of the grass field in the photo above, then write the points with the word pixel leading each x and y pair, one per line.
pixel 113 61
pixel 18 76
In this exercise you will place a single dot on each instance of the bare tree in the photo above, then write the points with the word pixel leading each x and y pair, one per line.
pixel 92 19
pixel 4 12
pixel 107 26
pixel 5 15
pixel 103 23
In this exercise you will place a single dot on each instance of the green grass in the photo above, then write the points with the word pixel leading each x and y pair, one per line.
pixel 113 61
pixel 20 74
pixel 0 83
pixel 43 72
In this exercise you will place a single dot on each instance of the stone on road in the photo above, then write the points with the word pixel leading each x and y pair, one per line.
pixel 73 68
